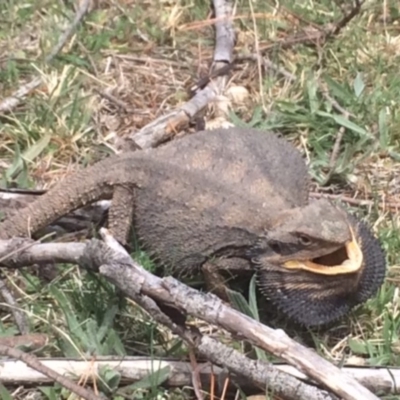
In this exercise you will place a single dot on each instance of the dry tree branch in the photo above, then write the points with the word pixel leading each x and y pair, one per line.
pixel 258 372
pixel 19 316
pixel 267 64
pixel 393 206
pixel 35 364
pixel 167 126
pixel 31 341
pixel 314 34
pixel 9 103
pixel 132 369
pixel 355 10
pixel 339 137
pixel 116 265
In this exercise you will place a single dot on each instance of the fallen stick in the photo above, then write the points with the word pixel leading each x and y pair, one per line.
pixel 9 103
pixel 381 380
pixel 37 365
pixel 128 276
pixel 258 372
pixel 116 265
pixel 167 126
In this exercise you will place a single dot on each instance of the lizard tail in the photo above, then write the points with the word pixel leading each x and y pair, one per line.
pixel 83 187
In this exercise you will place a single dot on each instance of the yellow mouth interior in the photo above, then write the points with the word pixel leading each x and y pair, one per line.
pixel 352 264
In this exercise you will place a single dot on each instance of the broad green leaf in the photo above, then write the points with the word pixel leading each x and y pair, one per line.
pixel 358 85
pixel 358 347
pixel 4 393
pixel 256 118
pixel 383 129
pixel 394 155
pixel 35 150
pixel 114 344
pixel 152 380
pixel 239 302
pixel 91 333
pixel 312 95
pixel 72 321
pixel 261 355
pixel 339 119
pixel 253 298
pixel 107 322
pixel 338 90
pixel 325 114
pixel 49 392
pixel 109 379
pixel 28 156
pixel 17 163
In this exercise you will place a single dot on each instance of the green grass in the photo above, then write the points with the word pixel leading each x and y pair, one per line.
pixel 149 53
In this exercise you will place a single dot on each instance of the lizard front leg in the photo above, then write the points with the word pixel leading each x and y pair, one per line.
pixel 214 278
pixel 120 214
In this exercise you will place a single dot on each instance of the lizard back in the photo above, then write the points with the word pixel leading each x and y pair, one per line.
pixel 209 194
pixel 214 192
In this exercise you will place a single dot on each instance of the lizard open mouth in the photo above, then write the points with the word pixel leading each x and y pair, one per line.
pixel 346 260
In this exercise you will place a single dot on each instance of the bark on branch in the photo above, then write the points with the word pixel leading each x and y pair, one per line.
pixel 260 373
pixel 149 290
pixel 132 369
pixel 35 364
pixel 9 103
pixel 168 125
pixel 114 263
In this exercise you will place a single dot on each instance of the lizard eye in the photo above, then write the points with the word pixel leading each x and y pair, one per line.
pixel 304 240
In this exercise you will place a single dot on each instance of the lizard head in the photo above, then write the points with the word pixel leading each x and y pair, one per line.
pixel 318 262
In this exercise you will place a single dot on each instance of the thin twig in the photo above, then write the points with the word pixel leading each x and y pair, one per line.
pixel 333 102
pixel 258 59
pixel 9 103
pixel 347 18
pixel 34 363
pixel 316 34
pixel 356 202
pixel 167 126
pixel 339 137
pixel 334 155
pixel 119 103
pixel 268 64
pixel 19 316
pixel 80 13
pixel 196 381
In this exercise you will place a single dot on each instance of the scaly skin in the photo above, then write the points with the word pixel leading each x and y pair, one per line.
pixel 211 195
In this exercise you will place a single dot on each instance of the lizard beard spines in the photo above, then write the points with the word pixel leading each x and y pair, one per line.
pixel 312 299
pixel 374 271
